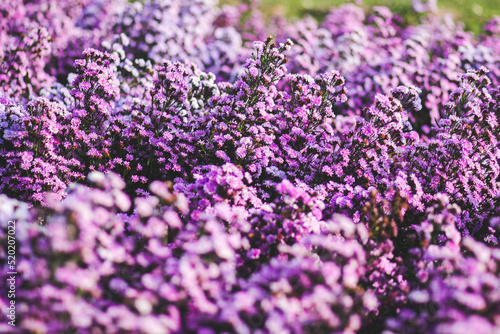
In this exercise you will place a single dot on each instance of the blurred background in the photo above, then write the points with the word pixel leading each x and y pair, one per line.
pixel 474 13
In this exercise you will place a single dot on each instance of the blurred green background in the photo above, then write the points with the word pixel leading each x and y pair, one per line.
pixel 474 13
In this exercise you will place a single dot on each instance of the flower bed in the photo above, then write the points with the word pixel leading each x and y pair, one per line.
pixel 171 169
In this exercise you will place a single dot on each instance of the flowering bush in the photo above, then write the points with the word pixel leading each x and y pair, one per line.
pixel 171 170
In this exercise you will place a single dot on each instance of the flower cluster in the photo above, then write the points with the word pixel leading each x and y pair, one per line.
pixel 166 268
pixel 376 53
pixel 171 170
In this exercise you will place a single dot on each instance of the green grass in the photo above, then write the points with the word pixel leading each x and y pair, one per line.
pixel 474 13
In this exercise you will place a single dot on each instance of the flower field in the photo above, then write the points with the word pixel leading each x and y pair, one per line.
pixel 187 167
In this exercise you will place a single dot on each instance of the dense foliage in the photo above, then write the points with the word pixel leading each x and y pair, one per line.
pixel 172 169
